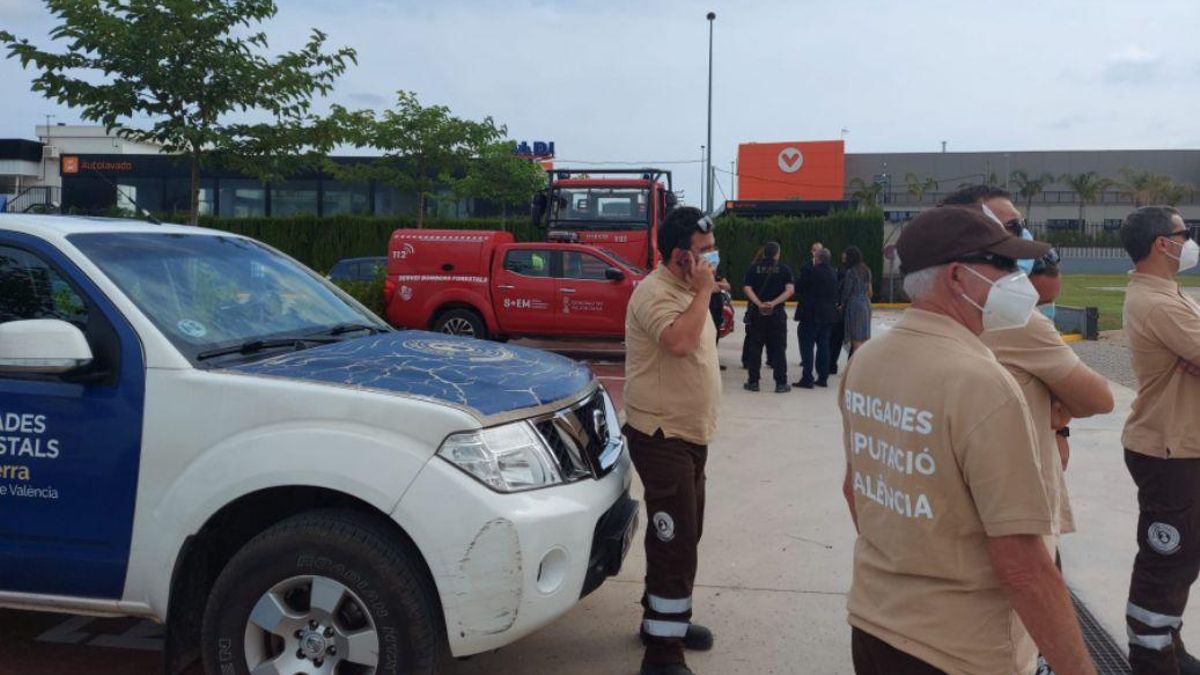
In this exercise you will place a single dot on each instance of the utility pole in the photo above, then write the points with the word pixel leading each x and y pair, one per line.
pixel 732 180
pixel 712 16
pixel 703 179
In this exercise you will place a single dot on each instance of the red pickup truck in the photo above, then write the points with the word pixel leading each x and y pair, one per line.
pixel 483 284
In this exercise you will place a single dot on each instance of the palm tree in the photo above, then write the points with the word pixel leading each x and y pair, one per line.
pixel 1144 187
pixel 1029 186
pixel 917 187
pixel 1172 193
pixel 1088 187
pixel 866 193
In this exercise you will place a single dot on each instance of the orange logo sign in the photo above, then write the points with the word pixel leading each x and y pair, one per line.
pixel 70 165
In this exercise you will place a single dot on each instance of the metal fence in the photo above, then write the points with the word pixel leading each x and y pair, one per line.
pixel 899 196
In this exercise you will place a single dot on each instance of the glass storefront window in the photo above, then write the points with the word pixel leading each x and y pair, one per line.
pixel 392 202
pixel 179 198
pixel 146 193
pixel 294 198
pixel 243 198
pixel 339 198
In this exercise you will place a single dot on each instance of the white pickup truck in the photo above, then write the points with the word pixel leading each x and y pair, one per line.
pixel 197 429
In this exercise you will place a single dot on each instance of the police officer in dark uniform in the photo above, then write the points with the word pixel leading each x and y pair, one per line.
pixel 768 285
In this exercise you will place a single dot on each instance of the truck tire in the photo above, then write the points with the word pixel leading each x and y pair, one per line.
pixel 324 592
pixel 464 322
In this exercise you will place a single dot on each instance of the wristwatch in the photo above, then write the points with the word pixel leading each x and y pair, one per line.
pixel 1065 432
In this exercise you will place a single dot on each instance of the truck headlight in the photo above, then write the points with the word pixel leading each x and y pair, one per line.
pixel 507 458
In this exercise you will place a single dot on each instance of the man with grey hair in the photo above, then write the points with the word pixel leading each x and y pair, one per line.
pixel 1162 437
pixel 943 474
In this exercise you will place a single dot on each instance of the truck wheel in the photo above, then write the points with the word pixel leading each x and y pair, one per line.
pixel 323 592
pixel 462 322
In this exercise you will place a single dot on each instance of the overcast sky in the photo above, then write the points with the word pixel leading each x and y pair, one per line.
pixel 625 80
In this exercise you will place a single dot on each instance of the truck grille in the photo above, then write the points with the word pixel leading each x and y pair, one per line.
pixel 584 438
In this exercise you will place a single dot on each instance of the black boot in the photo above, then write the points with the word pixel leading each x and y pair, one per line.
pixel 698 638
pixel 668 669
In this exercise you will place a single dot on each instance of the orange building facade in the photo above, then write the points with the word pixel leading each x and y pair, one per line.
pixel 811 170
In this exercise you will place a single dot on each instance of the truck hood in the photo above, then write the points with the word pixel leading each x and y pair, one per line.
pixel 486 377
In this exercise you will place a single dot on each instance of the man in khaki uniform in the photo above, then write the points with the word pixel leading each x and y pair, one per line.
pixel 1162 437
pixel 1050 373
pixel 672 393
pixel 943 475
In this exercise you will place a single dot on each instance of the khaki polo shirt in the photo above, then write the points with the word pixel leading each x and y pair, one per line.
pixel 1037 357
pixel 679 395
pixel 1162 324
pixel 942 456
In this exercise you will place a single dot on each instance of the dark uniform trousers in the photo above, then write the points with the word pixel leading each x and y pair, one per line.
pixel 672 472
pixel 814 337
pixel 1167 562
pixel 873 656
pixel 770 332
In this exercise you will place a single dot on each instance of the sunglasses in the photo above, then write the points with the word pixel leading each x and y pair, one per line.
pixel 1050 260
pixel 705 225
pixel 999 261
pixel 1186 234
pixel 1016 225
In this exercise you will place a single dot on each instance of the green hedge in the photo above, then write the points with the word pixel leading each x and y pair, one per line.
pixel 320 242
pixel 740 238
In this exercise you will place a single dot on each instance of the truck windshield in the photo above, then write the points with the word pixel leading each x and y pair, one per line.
pixel 601 208
pixel 208 293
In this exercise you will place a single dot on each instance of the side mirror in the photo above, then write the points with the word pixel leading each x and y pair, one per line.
pixel 614 274
pixel 671 200
pixel 46 346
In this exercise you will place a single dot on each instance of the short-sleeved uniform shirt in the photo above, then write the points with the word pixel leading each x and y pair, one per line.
pixel 1038 358
pixel 1162 324
pixel 942 456
pixel 769 279
pixel 678 394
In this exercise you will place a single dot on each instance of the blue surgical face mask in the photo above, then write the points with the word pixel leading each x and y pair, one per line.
pixel 713 258
pixel 1048 310
pixel 1026 265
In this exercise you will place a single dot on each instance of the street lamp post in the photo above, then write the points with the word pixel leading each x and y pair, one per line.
pixel 708 176
pixel 703 180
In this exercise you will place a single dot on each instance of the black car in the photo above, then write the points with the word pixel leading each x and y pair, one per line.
pixel 357 269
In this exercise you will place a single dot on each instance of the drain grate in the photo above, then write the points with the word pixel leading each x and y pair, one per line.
pixel 1105 651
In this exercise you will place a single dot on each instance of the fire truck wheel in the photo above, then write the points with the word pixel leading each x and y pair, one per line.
pixel 462 322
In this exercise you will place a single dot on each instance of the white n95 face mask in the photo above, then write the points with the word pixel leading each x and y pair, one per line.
pixel 1189 257
pixel 1009 304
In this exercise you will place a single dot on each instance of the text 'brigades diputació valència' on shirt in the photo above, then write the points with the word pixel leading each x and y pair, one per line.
pixel 941 459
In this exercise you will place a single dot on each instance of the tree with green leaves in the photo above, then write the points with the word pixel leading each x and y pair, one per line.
pixel 187 69
pixel 1172 193
pixel 500 175
pixel 427 151
pixel 1087 186
pixel 917 186
pixel 867 194
pixel 1030 186
pixel 1142 186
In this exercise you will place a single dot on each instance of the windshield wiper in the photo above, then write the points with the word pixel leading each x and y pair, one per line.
pixel 258 345
pixel 343 328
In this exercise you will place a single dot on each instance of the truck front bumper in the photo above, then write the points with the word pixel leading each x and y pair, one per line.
pixel 507 564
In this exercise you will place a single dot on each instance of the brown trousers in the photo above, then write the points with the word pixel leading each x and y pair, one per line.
pixel 1167 561
pixel 873 656
pixel 672 471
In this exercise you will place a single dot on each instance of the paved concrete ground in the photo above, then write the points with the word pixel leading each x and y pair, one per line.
pixel 775 560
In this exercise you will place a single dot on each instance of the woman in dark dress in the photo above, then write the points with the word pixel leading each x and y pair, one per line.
pixel 856 298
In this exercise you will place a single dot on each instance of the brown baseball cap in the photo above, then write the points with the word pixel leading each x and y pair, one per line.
pixel 949 233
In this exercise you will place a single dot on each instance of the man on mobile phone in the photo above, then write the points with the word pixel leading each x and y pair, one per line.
pixel 672 394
